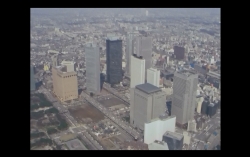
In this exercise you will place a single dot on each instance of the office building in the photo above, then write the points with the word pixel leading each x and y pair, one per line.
pixel 192 125
pixel 179 52
pixel 169 106
pixel 65 85
pixel 155 129
pixel 184 96
pixel 32 79
pixel 92 60
pixel 174 140
pixel 158 145
pixel 129 51
pixel 153 77
pixel 54 59
pixel 137 71
pixel 147 102
pixel 204 107
pixel 114 60
pixel 69 66
pixel 199 104
pixel 143 47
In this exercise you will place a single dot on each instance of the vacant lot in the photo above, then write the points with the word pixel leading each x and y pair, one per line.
pixel 111 102
pixel 86 113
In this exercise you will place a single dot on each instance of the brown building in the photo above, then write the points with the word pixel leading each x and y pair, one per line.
pixel 65 85
pixel 179 52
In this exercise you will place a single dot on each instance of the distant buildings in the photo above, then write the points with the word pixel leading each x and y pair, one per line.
pixel 137 71
pixel 92 60
pixel 153 77
pixel 184 96
pixel 143 47
pixel 65 85
pixel 174 140
pixel 69 66
pixel 32 79
pixel 147 102
pixel 155 129
pixel 114 60
pixel 179 52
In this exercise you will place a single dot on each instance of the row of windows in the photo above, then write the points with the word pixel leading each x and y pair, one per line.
pixel 69 76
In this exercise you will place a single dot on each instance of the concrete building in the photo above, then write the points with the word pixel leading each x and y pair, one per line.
pixel 92 60
pixel 174 140
pixel 137 71
pixel 155 129
pixel 192 126
pixel 69 65
pixel 114 60
pixel 153 77
pixel 65 85
pixel 129 52
pixel 54 59
pixel 147 102
pixel 143 47
pixel 32 79
pixel 158 145
pixel 179 52
pixel 184 96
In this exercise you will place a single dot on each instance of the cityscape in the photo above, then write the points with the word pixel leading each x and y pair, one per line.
pixel 125 79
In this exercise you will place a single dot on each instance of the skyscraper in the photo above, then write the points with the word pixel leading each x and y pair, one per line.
pixel 179 52
pixel 184 96
pixel 114 60
pixel 153 77
pixel 137 71
pixel 92 59
pixel 54 59
pixel 174 140
pixel 65 85
pixel 147 102
pixel 32 79
pixel 129 51
pixel 143 47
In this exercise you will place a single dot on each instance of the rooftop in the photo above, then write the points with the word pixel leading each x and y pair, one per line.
pixel 173 135
pixel 75 145
pixel 148 88
pixel 186 72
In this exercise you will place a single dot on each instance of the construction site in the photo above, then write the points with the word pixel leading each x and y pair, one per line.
pixel 86 114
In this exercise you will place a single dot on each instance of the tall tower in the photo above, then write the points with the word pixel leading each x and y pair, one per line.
pixel 137 71
pixel 54 59
pixel 143 47
pixel 184 96
pixel 153 77
pixel 129 51
pixel 32 79
pixel 114 60
pixel 92 59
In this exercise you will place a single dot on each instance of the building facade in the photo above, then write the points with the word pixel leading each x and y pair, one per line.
pixel 54 59
pixel 184 96
pixel 143 47
pixel 153 77
pixel 32 79
pixel 114 60
pixel 137 71
pixel 179 52
pixel 129 52
pixel 69 65
pixel 174 140
pixel 147 102
pixel 65 85
pixel 92 60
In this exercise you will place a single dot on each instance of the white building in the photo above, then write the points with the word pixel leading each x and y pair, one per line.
pixel 69 65
pixel 191 126
pixel 153 77
pixel 158 145
pixel 137 71
pixel 157 127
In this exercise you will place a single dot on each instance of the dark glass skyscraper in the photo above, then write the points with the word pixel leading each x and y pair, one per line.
pixel 32 79
pixel 114 60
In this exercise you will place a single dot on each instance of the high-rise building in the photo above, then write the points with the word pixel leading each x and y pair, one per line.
pixel 153 77
pixel 114 60
pixel 65 85
pixel 147 102
pixel 143 47
pixel 129 51
pixel 179 52
pixel 32 79
pixel 54 59
pixel 158 145
pixel 174 140
pixel 137 71
pixel 92 60
pixel 70 67
pixel 184 96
